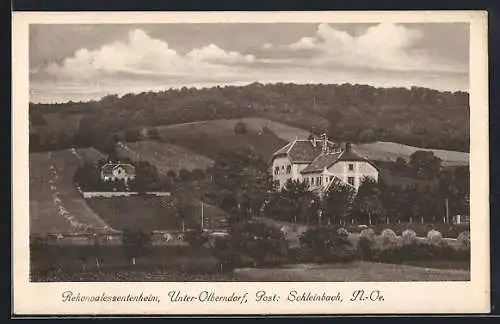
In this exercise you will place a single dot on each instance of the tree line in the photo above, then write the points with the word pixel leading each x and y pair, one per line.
pixel 243 188
pixel 357 113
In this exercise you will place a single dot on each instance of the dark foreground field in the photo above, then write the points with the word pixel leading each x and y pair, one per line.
pixel 181 264
pixel 348 272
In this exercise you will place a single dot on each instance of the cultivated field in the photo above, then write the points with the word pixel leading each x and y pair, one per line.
pixel 351 272
pixel 148 213
pixel 211 137
pixel 388 151
pixel 55 205
pixel 165 156
pixel 221 127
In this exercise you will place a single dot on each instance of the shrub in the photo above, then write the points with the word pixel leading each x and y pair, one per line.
pixel 325 244
pixel 409 237
pixel 343 231
pixel 389 237
pixel 434 237
pixel 368 233
pixel 464 239
pixel 240 128
pixel 366 248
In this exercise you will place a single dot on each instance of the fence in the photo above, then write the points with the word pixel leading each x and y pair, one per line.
pixel 108 194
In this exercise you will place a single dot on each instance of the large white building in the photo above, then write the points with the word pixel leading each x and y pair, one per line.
pixel 319 163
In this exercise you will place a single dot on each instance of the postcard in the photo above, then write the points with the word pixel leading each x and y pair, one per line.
pixel 201 163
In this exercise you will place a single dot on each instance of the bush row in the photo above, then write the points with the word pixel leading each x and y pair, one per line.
pixel 446 230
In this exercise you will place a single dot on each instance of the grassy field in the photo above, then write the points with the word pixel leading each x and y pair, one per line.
pixel 52 192
pixel 148 213
pixel 182 263
pixel 351 272
pixel 385 151
pixel 136 212
pixel 165 156
pixel 208 138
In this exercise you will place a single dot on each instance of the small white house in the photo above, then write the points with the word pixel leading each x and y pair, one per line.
pixel 117 171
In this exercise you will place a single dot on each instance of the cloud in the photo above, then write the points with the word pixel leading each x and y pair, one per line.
pixel 213 54
pixel 381 55
pixel 384 46
pixel 142 55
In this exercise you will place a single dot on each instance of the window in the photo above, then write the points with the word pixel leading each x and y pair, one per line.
pixel 331 178
pixel 351 167
pixel 317 181
pixel 276 170
pixel 288 169
pixel 277 184
pixel 350 180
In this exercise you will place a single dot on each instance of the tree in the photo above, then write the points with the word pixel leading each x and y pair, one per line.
pixel 400 165
pixel 153 134
pixel 242 179
pixel 135 243
pixel 240 128
pixel 368 200
pixel 425 164
pixel 186 213
pixel 326 244
pixel 196 238
pixel 171 174
pixel 294 203
pixel 146 177
pixel 337 203
pixel 260 241
pixel 198 174
pixel 185 175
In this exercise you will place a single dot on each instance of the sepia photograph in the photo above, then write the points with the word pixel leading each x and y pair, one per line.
pixel 252 152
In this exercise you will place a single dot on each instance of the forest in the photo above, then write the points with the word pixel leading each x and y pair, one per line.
pixel 357 113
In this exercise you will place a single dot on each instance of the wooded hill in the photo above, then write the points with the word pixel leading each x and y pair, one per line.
pixel 358 113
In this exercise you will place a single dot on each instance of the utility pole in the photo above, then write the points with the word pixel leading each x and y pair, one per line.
pixel 202 215
pixel 447 210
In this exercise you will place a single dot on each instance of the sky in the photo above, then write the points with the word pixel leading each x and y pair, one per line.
pixel 87 62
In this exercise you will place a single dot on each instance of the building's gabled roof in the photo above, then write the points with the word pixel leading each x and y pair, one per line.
pixel 302 151
pixel 327 160
pixel 129 169
pixel 350 155
pixel 321 162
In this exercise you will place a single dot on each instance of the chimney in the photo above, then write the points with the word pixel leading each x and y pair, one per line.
pixel 347 147
pixel 325 143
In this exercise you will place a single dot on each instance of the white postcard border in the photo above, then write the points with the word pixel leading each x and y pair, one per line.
pixel 399 297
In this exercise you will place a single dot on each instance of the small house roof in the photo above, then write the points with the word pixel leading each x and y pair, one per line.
pixel 108 168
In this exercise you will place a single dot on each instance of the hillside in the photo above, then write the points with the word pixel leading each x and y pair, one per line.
pixel 357 113
pixel 208 138
pixel 164 156
pixel 387 151
pixel 55 205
